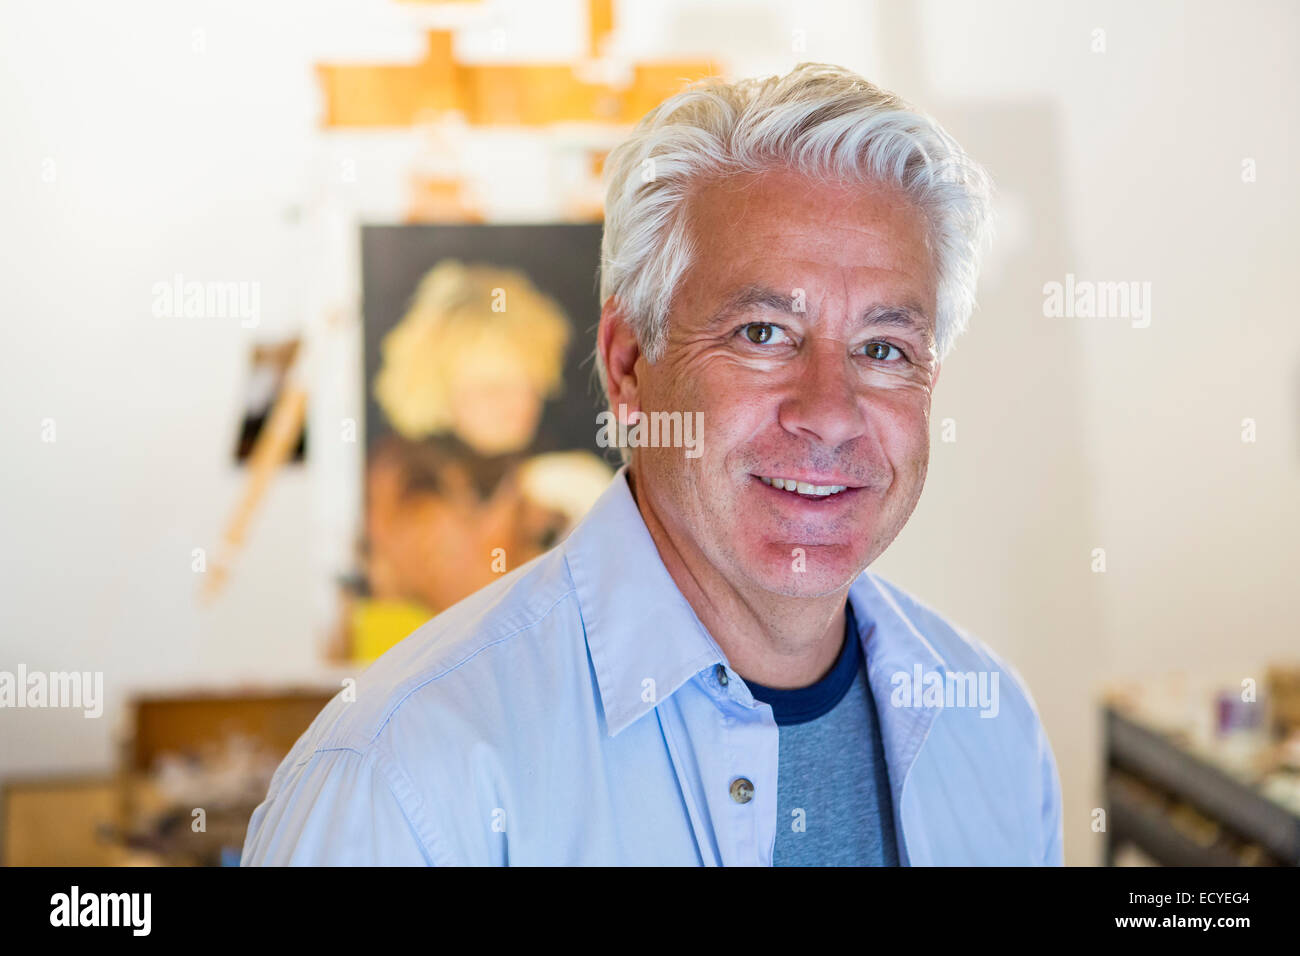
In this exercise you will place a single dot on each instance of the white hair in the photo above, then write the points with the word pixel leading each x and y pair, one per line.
pixel 823 121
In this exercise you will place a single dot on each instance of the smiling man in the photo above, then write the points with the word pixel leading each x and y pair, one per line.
pixel 704 671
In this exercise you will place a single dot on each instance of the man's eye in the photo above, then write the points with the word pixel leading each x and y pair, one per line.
pixel 881 351
pixel 761 333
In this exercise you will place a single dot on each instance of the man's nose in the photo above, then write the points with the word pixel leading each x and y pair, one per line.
pixel 824 403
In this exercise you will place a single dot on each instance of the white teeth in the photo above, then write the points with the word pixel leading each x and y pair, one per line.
pixel 802 487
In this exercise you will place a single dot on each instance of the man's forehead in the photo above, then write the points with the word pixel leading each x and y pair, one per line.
pixel 744 227
pixel 785 192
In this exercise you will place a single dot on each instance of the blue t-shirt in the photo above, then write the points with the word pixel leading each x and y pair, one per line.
pixel 833 803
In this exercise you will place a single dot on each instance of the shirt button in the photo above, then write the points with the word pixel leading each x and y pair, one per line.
pixel 721 673
pixel 742 791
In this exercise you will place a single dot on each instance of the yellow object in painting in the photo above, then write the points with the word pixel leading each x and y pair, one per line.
pixel 378 625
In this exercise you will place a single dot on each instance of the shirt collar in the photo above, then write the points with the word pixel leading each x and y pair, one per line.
pixel 646 641
pixel 894 643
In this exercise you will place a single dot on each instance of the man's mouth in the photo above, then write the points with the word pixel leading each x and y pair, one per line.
pixel 805 488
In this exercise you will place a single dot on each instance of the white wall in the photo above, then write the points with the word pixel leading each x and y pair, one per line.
pixel 1075 434
pixel 1072 434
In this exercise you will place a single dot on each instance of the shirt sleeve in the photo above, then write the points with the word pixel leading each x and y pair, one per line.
pixel 338 808
pixel 1053 834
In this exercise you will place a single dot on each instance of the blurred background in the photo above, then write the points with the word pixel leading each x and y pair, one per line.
pixel 238 467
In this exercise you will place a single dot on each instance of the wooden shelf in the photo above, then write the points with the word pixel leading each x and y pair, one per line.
pixel 1155 759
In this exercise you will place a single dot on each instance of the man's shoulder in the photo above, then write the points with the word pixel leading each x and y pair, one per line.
pixel 995 752
pixel 458 659
pixel 956 649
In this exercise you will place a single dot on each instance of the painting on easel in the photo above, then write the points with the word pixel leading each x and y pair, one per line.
pixel 480 403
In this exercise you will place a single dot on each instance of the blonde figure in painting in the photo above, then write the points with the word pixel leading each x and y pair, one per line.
pixel 455 498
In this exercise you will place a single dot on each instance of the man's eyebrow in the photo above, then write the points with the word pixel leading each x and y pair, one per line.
pixel 751 297
pixel 906 316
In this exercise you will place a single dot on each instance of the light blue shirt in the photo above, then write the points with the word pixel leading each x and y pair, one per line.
pixel 572 713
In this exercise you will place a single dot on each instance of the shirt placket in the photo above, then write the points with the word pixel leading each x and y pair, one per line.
pixel 735 740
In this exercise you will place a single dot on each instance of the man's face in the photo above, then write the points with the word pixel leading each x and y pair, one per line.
pixel 804 332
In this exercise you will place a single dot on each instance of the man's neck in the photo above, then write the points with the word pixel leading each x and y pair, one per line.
pixel 773 639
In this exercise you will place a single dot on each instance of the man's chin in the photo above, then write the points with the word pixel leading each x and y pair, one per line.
pixel 804 571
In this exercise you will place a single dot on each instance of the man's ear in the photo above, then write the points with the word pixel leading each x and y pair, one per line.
pixel 619 349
